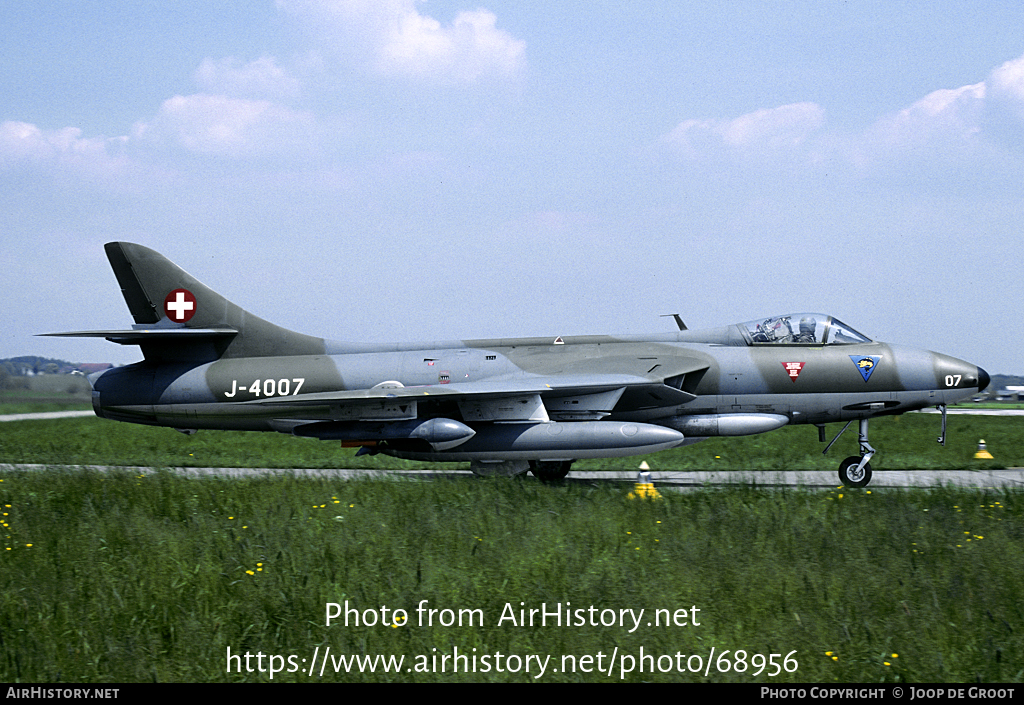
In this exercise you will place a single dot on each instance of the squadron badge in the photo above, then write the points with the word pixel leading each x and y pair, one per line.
pixel 866 364
pixel 793 369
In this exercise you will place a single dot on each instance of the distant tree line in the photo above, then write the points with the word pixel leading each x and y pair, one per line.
pixel 35 365
pixel 14 371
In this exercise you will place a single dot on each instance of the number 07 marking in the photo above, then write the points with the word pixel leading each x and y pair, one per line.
pixel 953 380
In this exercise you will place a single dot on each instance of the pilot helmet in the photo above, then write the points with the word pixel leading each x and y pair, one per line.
pixel 807 326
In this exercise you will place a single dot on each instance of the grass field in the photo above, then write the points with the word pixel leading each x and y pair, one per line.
pixel 122 577
pixel 47 393
pixel 902 443
pixel 127 577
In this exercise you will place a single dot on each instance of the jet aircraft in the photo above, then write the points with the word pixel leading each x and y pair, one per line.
pixel 504 405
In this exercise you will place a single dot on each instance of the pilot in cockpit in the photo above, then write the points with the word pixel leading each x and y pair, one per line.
pixel 807 328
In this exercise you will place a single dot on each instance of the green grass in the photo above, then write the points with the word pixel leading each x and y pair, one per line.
pixel 902 443
pixel 122 577
pixel 27 401
pixel 127 577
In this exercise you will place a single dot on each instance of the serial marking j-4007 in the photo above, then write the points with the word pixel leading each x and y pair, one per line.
pixel 504 405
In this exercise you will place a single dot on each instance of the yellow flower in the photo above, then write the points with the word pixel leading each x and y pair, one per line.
pixel 895 655
pixel 250 572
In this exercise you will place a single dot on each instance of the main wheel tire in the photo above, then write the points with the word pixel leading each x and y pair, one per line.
pixel 552 471
pixel 850 476
pixel 506 468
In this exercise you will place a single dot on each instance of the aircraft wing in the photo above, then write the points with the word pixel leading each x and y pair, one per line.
pixel 535 399
pixel 478 390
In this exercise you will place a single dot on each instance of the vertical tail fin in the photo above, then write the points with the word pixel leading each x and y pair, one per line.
pixel 161 294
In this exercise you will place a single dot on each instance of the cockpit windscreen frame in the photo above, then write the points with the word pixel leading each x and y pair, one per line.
pixel 815 329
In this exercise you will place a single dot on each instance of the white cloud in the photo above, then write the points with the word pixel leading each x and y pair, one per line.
pixel 261 78
pixel 1007 85
pixel 63 151
pixel 943 115
pixel 232 127
pixel 391 38
pixel 771 130
pixel 979 120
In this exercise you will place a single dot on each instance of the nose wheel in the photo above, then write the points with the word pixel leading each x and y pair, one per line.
pixel 855 471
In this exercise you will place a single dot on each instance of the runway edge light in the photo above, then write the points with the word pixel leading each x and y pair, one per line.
pixel 644 487
pixel 983 453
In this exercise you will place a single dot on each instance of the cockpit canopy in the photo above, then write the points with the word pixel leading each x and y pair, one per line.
pixel 801 329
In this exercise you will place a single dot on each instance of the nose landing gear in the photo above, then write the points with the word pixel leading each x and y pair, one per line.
pixel 855 471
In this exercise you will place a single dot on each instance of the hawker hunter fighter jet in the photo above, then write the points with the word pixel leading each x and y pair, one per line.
pixel 504 405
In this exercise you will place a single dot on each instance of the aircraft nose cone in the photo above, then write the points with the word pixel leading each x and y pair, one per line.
pixel 983 379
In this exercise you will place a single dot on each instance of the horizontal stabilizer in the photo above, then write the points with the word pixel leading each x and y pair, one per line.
pixel 140 336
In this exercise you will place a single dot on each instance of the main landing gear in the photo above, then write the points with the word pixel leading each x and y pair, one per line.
pixel 550 470
pixel 543 470
pixel 855 471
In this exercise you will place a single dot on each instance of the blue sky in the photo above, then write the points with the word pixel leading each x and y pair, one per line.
pixel 398 170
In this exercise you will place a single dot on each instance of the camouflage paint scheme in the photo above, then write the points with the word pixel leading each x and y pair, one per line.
pixel 504 405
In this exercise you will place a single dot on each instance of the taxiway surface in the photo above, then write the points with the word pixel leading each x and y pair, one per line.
pixel 679 480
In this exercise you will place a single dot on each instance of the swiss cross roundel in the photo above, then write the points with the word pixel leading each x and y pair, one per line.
pixel 180 305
